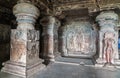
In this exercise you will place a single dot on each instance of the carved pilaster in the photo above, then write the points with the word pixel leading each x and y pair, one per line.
pixel 108 38
pixel 48 24
pixel 24 54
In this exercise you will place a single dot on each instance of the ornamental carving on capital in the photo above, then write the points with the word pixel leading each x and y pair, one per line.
pixel 48 20
pixel 26 15
pixel 107 16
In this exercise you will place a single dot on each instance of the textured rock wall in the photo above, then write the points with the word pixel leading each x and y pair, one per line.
pixel 4 43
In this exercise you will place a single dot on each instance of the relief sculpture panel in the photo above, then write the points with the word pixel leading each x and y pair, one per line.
pixel 109 42
pixel 79 39
pixel 18 51
pixel 73 42
pixel 24 45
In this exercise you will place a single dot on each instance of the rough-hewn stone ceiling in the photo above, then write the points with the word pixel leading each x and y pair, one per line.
pixel 61 5
pixel 61 8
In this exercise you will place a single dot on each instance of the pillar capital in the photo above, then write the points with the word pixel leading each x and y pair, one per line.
pixel 48 20
pixel 107 19
pixel 26 14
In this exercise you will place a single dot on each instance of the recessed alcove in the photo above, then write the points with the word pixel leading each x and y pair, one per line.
pixel 78 39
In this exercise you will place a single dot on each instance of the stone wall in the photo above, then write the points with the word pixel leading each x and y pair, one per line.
pixel 4 43
pixel 77 38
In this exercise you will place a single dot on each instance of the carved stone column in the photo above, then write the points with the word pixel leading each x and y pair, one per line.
pixel 48 24
pixel 108 39
pixel 24 55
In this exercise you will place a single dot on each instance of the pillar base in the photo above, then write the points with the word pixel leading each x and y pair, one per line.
pixel 24 54
pixel 22 70
pixel 101 63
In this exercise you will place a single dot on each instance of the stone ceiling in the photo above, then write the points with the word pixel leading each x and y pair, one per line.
pixel 57 6
pixel 62 8
pixel 8 3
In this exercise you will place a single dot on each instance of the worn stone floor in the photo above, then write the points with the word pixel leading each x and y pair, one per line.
pixel 65 69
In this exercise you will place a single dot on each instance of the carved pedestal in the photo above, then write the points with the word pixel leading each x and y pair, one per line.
pixel 24 55
pixel 108 39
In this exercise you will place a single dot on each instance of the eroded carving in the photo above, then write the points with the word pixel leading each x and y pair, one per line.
pixel 33 49
pixel 108 39
pixel 108 47
pixel 77 39
pixel 18 51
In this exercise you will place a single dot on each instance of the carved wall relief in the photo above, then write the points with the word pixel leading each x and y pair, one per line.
pixel 18 51
pixel 23 41
pixel 78 39
pixel 109 41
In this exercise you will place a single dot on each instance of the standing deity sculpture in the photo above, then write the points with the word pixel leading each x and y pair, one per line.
pixel 108 47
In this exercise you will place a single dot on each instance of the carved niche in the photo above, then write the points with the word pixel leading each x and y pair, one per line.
pixel 78 39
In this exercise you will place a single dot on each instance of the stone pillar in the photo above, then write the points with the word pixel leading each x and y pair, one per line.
pixel 48 24
pixel 24 55
pixel 108 39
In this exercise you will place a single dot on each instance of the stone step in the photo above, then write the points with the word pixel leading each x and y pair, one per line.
pixel 82 61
